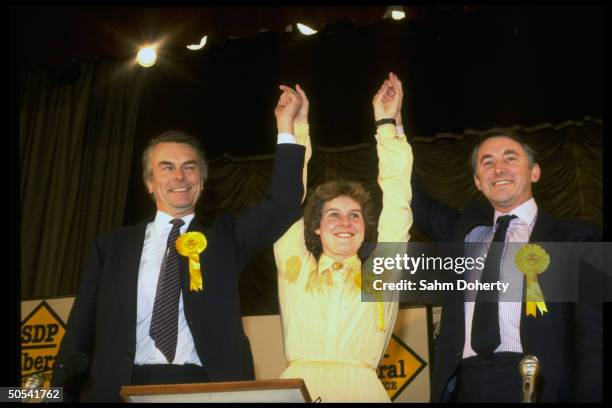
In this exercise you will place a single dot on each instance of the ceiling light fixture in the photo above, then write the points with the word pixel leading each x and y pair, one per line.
pixel 195 47
pixel 395 12
pixel 146 57
pixel 304 29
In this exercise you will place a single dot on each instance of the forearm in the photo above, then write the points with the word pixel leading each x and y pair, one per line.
pixel 395 162
pixel 290 249
pixel 260 226
pixel 431 217
pixel 302 136
pixel 285 190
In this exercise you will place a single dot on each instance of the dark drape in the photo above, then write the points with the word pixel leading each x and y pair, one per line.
pixel 76 138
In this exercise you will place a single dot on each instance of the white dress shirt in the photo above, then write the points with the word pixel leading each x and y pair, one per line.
pixel 156 240
pixel 519 230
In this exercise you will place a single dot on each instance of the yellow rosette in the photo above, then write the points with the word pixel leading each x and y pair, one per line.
pixel 192 244
pixel 532 260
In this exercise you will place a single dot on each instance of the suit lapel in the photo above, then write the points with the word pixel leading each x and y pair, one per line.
pixel 476 214
pixel 131 252
pixel 200 306
pixel 543 231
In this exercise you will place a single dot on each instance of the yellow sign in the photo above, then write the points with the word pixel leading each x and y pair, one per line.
pixel 41 334
pixel 399 366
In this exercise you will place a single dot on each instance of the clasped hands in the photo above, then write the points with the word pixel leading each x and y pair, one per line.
pixel 293 104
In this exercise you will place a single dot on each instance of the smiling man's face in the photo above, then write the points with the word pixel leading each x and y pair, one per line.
pixel 503 173
pixel 176 181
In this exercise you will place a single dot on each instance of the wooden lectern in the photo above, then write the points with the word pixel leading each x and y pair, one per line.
pixel 286 390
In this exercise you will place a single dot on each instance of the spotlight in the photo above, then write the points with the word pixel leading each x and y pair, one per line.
pixel 304 29
pixel 195 47
pixel 398 15
pixel 395 12
pixel 146 57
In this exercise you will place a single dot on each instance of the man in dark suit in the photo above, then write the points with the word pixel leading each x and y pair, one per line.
pixel 567 339
pixel 157 308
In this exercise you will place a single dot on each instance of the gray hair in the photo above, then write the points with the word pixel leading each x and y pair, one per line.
pixel 531 154
pixel 172 136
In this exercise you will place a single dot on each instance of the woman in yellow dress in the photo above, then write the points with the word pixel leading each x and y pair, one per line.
pixel 333 339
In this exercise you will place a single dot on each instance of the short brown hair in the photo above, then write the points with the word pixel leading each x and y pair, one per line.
pixel 173 136
pixel 510 134
pixel 313 210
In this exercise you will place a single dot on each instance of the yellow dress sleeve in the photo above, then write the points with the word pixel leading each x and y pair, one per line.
pixel 302 137
pixel 290 249
pixel 394 171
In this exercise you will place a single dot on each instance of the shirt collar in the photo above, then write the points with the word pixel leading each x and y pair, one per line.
pixel 162 220
pixel 526 212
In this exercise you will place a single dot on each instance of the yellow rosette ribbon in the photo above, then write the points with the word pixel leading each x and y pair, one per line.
pixel 532 260
pixel 192 244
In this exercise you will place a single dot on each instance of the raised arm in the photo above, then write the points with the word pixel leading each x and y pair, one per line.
pixel 431 217
pixel 260 226
pixel 302 134
pixel 291 246
pixel 394 165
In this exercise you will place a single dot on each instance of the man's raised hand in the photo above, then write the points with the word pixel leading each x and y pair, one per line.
pixel 287 109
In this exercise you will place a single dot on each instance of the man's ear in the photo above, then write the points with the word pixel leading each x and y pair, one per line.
pixel 150 186
pixel 477 182
pixel 535 173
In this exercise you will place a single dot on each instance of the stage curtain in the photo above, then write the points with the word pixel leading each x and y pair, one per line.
pixel 76 143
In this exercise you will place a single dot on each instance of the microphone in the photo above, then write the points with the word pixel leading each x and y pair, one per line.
pixel 529 368
pixel 33 383
pixel 69 372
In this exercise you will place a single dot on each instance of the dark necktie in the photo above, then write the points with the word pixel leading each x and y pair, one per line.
pixel 164 321
pixel 485 324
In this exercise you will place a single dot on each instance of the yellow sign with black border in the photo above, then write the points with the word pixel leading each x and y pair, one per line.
pixel 399 366
pixel 42 332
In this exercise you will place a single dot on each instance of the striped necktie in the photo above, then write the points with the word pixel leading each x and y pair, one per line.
pixel 164 321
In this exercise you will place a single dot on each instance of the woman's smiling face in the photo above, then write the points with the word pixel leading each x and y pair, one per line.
pixel 342 228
